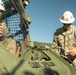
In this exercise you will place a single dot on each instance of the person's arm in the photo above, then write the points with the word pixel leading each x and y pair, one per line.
pixel 73 49
pixel 55 44
pixel 18 51
pixel 26 41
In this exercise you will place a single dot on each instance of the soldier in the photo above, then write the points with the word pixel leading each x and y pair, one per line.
pixel 64 41
pixel 8 43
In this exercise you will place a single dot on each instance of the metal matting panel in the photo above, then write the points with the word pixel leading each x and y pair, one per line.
pixel 13 25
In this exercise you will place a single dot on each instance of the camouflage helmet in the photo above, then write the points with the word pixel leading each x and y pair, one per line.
pixel 3 29
pixel 67 17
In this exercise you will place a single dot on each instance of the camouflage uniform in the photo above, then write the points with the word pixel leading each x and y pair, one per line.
pixel 8 43
pixel 64 40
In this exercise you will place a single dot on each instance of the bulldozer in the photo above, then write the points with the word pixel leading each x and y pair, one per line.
pixel 35 59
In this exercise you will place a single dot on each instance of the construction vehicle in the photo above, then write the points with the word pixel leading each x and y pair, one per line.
pixel 36 59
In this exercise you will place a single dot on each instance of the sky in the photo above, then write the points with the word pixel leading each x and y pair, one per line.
pixel 45 15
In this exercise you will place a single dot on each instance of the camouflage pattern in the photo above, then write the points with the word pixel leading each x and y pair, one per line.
pixel 8 43
pixel 4 29
pixel 64 40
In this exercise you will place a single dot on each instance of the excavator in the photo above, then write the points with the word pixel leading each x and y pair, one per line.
pixel 36 59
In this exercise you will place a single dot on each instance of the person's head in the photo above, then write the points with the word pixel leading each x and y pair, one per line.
pixel 1 14
pixel 2 8
pixel 67 19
